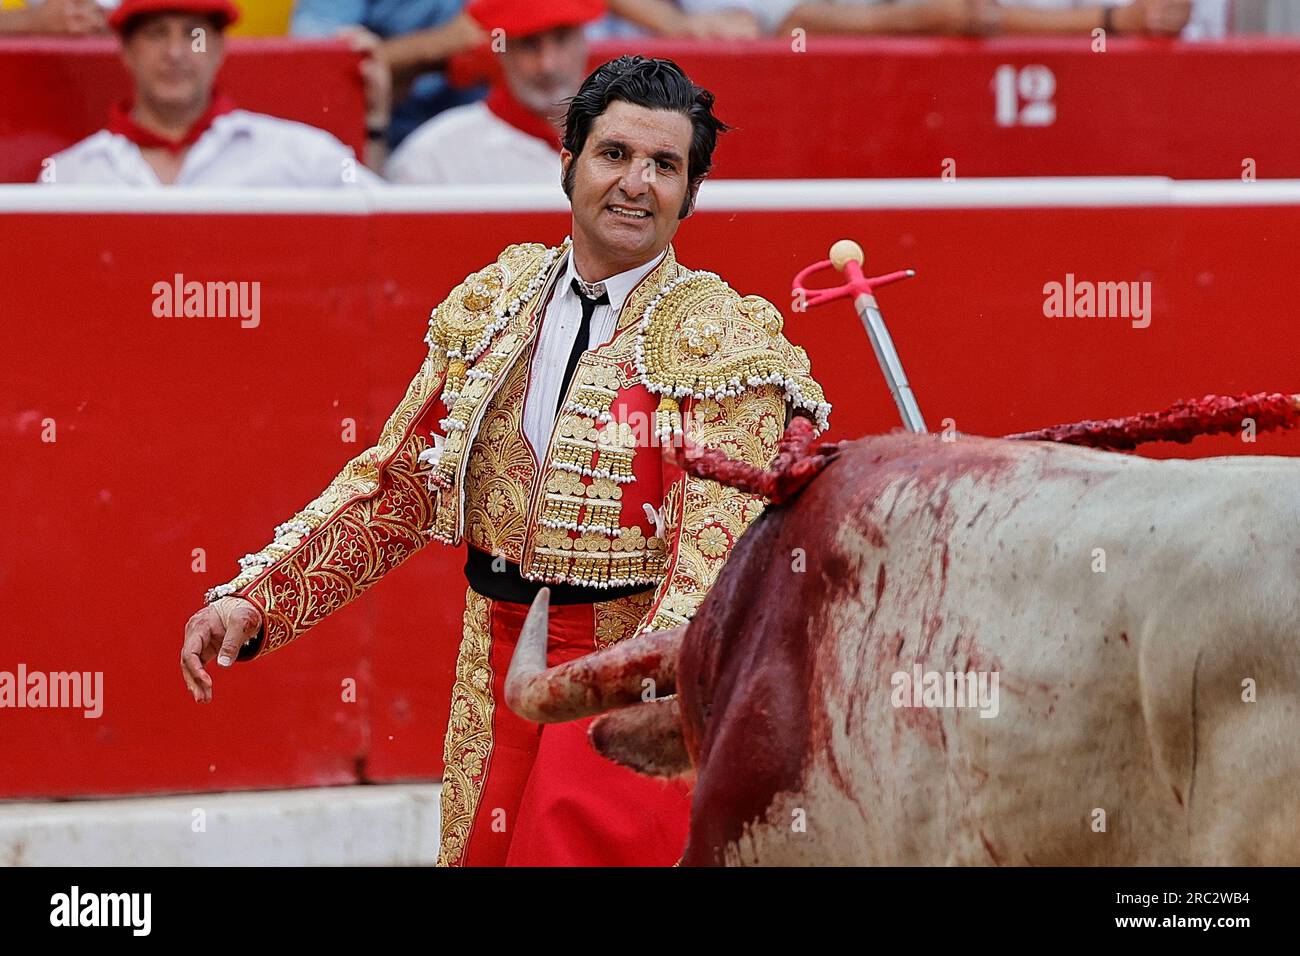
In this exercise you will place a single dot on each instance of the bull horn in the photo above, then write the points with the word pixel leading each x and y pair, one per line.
pixel 601 681
pixel 529 658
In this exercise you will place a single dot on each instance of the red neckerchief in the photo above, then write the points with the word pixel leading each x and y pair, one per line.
pixel 121 122
pixel 503 103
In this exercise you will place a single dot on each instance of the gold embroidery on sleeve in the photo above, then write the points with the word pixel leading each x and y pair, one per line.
pixel 369 519
pixel 360 543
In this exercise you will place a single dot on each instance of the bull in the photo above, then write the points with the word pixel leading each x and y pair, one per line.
pixel 1137 621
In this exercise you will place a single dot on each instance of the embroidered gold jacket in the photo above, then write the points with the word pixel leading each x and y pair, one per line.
pixel 604 507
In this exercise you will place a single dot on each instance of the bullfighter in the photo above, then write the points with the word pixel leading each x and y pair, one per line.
pixel 536 432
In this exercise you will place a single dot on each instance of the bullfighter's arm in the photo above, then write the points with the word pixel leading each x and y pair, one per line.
pixel 373 516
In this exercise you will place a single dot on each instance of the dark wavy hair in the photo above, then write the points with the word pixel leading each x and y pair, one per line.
pixel 656 84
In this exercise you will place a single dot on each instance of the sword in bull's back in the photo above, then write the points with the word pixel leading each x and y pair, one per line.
pixel 846 256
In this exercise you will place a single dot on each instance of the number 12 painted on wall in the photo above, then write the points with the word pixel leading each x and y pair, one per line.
pixel 1023 96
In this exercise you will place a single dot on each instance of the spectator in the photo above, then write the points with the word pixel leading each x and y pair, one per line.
pixel 408 42
pixel 180 129
pixel 698 19
pixel 513 136
pixel 76 17
pixel 1143 17
pixel 408 37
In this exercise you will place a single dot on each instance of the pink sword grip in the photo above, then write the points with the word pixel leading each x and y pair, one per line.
pixel 858 284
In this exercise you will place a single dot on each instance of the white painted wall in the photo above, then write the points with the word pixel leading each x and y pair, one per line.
pixel 725 195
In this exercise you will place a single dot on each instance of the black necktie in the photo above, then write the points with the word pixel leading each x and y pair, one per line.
pixel 580 342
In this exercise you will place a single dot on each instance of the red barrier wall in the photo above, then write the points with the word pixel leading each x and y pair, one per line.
pixel 842 108
pixel 59 91
pixel 900 107
pixel 177 434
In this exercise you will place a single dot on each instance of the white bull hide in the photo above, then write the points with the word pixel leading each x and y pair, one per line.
pixel 1128 608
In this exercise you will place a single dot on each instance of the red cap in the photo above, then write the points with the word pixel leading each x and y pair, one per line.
pixel 523 17
pixel 224 10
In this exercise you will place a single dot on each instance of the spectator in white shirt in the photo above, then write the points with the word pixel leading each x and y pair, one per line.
pixel 512 136
pixel 180 130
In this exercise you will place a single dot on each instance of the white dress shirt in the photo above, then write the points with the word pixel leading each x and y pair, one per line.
pixel 555 338
pixel 239 149
pixel 469 145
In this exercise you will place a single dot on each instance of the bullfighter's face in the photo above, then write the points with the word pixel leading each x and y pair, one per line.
pixel 630 185
pixel 172 63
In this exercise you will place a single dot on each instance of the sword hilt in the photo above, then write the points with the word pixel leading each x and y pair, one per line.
pixel 846 256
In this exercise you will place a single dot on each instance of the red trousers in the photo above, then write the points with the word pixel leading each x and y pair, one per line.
pixel 522 794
